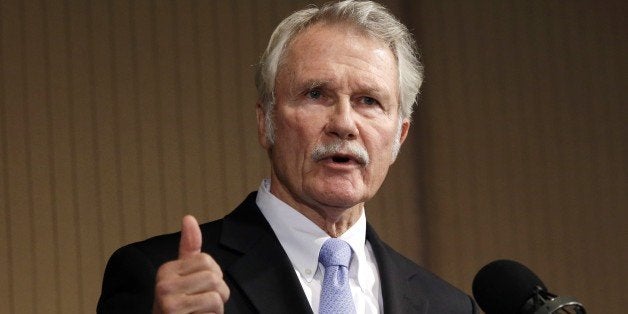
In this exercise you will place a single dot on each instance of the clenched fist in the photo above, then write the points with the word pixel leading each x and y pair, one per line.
pixel 193 283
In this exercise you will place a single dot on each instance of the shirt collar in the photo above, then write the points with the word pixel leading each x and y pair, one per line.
pixel 302 239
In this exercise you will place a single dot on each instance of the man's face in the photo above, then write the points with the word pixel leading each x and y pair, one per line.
pixel 334 86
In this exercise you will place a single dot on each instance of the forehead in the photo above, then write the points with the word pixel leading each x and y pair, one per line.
pixel 328 51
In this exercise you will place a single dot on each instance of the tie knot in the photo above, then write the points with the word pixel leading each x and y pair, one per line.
pixel 335 252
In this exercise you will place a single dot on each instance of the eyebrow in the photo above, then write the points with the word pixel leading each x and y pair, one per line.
pixel 311 84
pixel 297 88
pixel 314 83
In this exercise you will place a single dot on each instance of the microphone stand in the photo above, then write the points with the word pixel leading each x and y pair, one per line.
pixel 544 302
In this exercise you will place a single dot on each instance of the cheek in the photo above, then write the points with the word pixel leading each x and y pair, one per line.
pixel 295 137
pixel 380 142
pixel 287 135
pixel 300 126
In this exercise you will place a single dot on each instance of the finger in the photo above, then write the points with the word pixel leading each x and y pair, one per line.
pixel 199 282
pixel 209 282
pixel 177 269
pixel 191 238
pixel 208 302
pixel 196 263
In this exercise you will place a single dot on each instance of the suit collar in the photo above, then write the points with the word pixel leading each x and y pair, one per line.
pixel 265 274
pixel 263 271
pixel 394 277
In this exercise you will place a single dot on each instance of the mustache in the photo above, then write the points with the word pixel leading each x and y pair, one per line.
pixel 350 148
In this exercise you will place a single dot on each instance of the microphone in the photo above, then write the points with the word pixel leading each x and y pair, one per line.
pixel 508 287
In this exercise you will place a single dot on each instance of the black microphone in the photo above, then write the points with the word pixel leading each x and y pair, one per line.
pixel 508 287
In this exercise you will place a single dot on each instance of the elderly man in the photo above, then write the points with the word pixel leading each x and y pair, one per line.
pixel 336 89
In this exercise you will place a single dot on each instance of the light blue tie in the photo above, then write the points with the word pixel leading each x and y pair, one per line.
pixel 336 297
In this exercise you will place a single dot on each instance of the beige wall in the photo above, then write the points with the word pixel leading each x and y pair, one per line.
pixel 523 138
pixel 117 117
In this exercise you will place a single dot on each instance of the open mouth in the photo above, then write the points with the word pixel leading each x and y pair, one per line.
pixel 345 159
pixel 340 159
pixel 341 153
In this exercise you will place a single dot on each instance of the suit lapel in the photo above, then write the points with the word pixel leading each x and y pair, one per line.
pixel 263 271
pixel 266 276
pixel 394 279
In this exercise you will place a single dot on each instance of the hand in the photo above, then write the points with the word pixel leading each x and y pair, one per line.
pixel 193 283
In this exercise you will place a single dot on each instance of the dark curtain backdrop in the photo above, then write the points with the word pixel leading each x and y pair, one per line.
pixel 118 117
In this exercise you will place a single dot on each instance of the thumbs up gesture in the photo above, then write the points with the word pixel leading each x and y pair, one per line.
pixel 193 283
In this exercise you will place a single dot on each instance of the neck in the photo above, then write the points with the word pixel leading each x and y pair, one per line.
pixel 335 222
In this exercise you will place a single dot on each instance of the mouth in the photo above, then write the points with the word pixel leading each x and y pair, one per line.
pixel 342 154
pixel 341 159
pixel 344 159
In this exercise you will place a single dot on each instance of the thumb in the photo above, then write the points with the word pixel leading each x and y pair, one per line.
pixel 191 238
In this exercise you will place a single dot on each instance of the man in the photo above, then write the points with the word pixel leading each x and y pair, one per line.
pixel 336 89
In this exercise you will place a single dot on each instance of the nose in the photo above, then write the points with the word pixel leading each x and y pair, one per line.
pixel 341 122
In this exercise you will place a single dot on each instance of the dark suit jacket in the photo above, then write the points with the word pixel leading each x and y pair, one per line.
pixel 260 275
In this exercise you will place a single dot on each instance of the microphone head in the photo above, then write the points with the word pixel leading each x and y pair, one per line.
pixel 504 286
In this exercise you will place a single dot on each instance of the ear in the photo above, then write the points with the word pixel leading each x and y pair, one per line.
pixel 402 132
pixel 261 125
pixel 405 127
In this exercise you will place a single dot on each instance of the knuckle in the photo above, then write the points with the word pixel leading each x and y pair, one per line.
pixel 207 260
pixel 226 293
pixel 213 277
pixel 169 270
pixel 163 271
pixel 169 304
pixel 164 288
pixel 214 299
pixel 211 264
pixel 186 303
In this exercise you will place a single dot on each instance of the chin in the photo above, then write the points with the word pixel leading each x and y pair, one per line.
pixel 339 199
pixel 338 193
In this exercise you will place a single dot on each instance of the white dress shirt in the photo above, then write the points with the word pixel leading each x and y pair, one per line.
pixel 302 241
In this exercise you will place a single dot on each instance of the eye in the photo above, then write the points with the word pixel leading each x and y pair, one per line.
pixel 314 94
pixel 369 101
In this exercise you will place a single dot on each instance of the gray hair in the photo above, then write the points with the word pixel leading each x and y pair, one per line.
pixel 370 17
